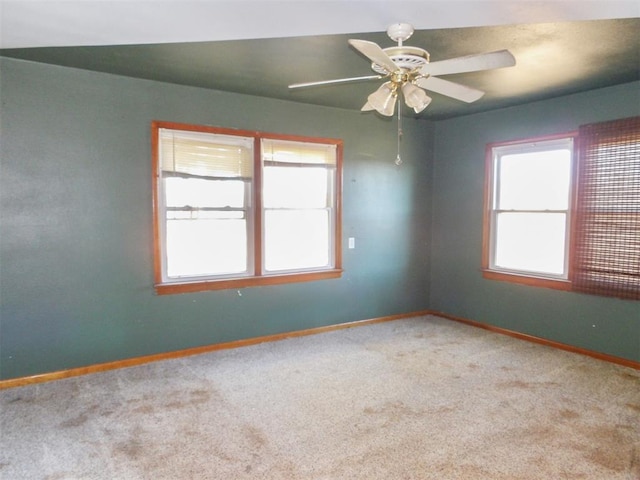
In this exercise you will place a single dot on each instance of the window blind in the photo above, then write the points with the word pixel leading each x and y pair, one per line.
pixel 285 151
pixel 206 155
pixel 606 259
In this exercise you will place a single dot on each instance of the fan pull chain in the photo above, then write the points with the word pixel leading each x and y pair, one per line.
pixel 398 158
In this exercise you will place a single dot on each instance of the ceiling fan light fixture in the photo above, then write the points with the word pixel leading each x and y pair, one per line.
pixel 415 97
pixel 367 107
pixel 383 100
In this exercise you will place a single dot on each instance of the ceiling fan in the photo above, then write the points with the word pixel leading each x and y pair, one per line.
pixel 409 73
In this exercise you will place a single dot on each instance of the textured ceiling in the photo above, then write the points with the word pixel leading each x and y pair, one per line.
pixel 553 59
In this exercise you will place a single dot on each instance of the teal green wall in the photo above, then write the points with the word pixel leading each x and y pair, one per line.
pixel 76 266
pixel 601 324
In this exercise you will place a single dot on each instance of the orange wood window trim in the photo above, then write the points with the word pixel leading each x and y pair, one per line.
pixel 488 196
pixel 522 279
pixel 526 280
pixel 155 175
pixel 257 208
pixel 259 278
pixel 244 282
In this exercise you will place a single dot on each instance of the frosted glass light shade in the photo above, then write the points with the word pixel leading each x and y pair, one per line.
pixel 367 107
pixel 383 100
pixel 415 97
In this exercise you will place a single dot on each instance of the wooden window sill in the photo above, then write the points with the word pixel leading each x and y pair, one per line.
pixel 527 280
pixel 243 282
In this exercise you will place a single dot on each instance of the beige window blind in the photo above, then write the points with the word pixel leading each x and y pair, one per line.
pixel 284 151
pixel 205 155
pixel 606 258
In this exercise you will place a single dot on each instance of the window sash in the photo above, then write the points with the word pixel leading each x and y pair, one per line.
pixel 197 249
pixel 529 250
pixel 297 239
pixel 493 253
pixel 199 240
pixel 287 199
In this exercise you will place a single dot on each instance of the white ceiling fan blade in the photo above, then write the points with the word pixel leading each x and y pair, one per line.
pixel 450 89
pixel 374 53
pixel 470 63
pixel 338 80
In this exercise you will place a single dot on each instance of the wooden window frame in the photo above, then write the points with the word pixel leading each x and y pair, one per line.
pixel 513 277
pixel 259 278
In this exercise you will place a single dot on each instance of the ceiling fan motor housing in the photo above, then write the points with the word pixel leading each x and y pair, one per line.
pixel 405 57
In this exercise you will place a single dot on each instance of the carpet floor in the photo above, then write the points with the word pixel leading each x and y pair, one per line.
pixel 419 398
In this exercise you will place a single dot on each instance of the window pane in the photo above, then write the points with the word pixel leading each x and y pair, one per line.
pixel 206 247
pixel 535 180
pixel 197 192
pixel 295 187
pixel 532 242
pixel 296 239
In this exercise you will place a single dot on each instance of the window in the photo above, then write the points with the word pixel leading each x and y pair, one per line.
pixel 566 221
pixel 236 208
pixel 529 210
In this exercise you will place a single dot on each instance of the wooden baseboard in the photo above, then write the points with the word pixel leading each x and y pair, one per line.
pixel 543 341
pixel 132 362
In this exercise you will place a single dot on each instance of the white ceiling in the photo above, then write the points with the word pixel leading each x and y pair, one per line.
pixel 41 23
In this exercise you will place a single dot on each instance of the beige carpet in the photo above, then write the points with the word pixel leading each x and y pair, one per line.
pixel 422 398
